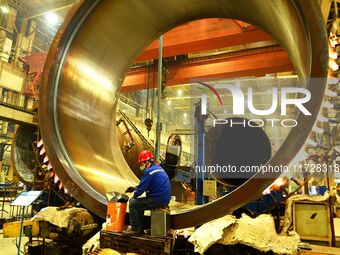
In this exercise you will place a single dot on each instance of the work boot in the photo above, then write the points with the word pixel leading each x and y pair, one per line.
pixel 132 232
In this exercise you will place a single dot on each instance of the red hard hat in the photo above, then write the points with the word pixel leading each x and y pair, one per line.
pixel 145 155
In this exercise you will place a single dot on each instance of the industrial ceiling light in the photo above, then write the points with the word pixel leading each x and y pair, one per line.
pixel 4 9
pixel 332 54
pixel 300 156
pixel 318 130
pixel 332 80
pixel 333 65
pixel 52 18
pixel 333 40
pixel 330 93
pixel 322 118
pixel 315 144
pixel 311 142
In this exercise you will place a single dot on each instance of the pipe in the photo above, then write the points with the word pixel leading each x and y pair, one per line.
pixel 200 138
pixel 87 63
pixel 159 98
pixel 182 132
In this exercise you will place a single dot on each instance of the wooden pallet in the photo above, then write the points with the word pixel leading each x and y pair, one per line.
pixel 137 244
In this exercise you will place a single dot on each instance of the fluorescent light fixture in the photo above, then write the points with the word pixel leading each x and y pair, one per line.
pixel 333 41
pixel 330 93
pixel 52 18
pixel 322 118
pixel 300 156
pixel 327 104
pixel 333 55
pixel 318 130
pixel 332 65
pixel 311 142
pixel 332 80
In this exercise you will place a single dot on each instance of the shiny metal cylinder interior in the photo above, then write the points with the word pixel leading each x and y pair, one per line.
pixel 96 46
pixel 23 156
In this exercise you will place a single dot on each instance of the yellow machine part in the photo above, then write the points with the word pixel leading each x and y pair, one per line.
pixel 12 229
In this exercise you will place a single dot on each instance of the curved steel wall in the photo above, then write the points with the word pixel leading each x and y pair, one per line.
pixel 94 49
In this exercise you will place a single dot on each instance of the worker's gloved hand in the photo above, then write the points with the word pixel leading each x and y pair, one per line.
pixel 130 189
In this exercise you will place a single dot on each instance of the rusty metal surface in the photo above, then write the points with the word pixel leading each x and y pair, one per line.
pixel 94 49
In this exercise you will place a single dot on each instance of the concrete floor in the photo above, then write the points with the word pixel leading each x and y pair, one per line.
pixel 8 247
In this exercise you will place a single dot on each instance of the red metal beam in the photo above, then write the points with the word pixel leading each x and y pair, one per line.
pixel 202 35
pixel 196 36
pixel 256 62
pixel 36 61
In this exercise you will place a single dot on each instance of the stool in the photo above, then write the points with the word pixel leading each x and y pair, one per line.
pixel 160 222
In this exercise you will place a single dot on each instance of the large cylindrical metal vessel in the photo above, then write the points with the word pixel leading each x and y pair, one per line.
pixel 96 46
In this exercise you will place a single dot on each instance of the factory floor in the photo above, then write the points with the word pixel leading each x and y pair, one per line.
pixel 320 250
pixel 8 246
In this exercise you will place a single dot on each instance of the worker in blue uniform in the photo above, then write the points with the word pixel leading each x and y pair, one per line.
pixel 155 183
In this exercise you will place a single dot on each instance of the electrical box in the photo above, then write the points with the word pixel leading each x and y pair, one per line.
pixel 209 188
pixel 311 220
